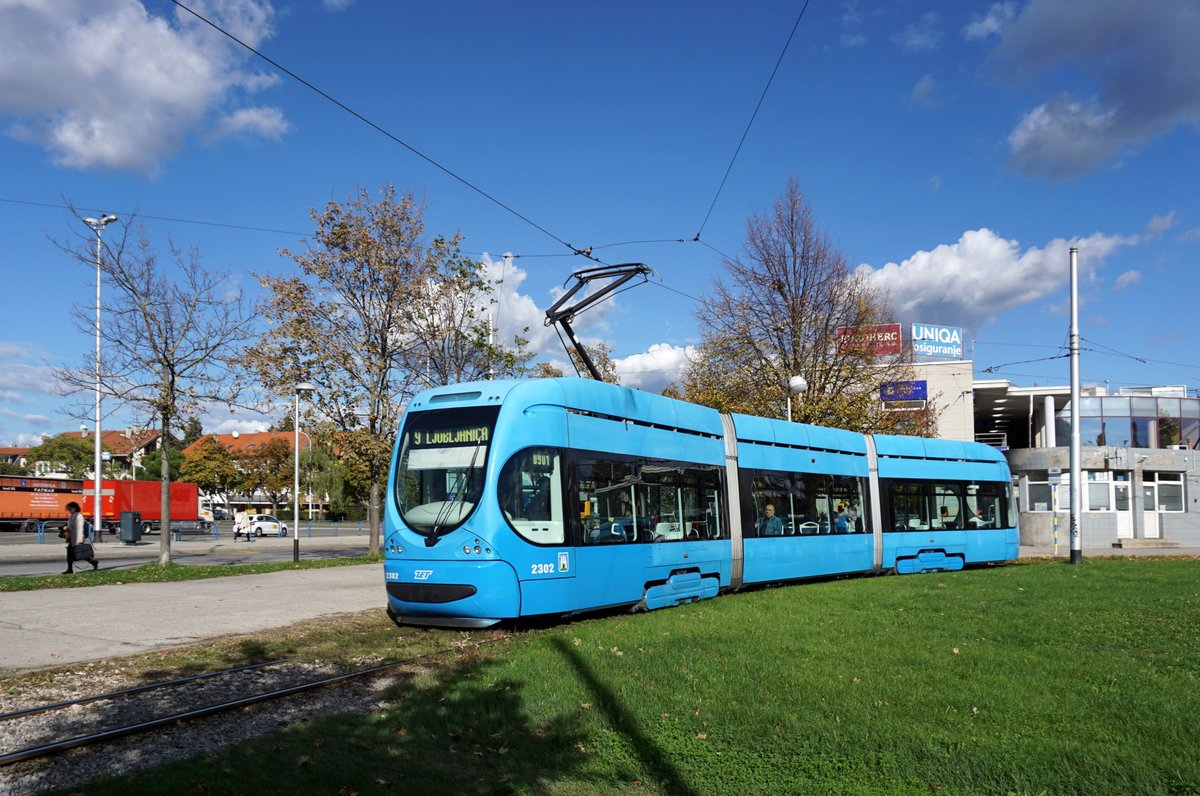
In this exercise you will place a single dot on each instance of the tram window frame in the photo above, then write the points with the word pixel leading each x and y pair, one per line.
pixel 670 501
pixel 937 504
pixel 520 487
pixel 805 502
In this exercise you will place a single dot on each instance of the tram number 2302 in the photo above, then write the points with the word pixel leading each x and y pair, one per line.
pixel 562 568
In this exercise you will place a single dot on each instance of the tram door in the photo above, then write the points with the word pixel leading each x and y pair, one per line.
pixel 1150 511
pixel 1122 505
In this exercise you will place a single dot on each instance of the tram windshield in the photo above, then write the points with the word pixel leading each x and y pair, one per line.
pixel 439 473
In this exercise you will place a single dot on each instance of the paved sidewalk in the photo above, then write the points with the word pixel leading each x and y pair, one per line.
pixel 192 544
pixel 53 627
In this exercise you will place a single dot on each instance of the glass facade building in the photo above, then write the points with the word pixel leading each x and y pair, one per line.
pixel 1133 422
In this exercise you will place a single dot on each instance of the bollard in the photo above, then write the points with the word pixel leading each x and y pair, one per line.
pixel 360 527
pixel 216 531
pixel 335 528
pixel 41 532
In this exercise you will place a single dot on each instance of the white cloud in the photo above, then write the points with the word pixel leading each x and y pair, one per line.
pixel 934 183
pixel 1157 225
pixel 849 40
pixel 266 122
pixel 1191 234
pixel 106 83
pixel 921 36
pixel 1128 279
pixel 657 367
pixel 925 92
pixel 337 5
pixel 1143 63
pixel 968 282
pixel 851 19
pixel 999 16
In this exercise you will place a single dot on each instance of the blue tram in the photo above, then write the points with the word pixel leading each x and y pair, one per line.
pixel 558 496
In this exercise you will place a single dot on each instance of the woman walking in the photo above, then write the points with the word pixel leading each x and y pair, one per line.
pixel 74 535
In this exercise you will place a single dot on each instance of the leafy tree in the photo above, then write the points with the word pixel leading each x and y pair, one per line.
pixel 193 430
pixel 212 467
pixel 170 333
pixel 601 354
pixel 12 468
pixel 376 312
pixel 72 454
pixel 775 314
pixel 269 469
pixel 151 466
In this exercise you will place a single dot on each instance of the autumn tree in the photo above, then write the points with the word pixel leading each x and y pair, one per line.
pixel 170 332
pixel 775 313
pixel 212 467
pixel 270 469
pixel 377 311
pixel 601 356
pixel 71 454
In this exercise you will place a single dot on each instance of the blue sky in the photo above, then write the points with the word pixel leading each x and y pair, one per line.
pixel 955 151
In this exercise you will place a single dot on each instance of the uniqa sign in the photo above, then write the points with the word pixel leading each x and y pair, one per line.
pixel 937 341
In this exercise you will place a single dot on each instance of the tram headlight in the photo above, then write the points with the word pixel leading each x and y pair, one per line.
pixel 466 550
pixel 478 550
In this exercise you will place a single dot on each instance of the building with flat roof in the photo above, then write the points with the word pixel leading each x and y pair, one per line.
pixel 1139 449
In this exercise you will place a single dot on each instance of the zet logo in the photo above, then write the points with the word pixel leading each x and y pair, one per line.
pixel 422 574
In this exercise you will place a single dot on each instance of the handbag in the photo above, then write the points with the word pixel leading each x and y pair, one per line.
pixel 84 552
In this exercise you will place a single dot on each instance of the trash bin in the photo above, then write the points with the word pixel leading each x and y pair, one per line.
pixel 131 527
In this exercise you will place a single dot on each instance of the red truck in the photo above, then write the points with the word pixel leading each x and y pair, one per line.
pixel 145 498
pixel 25 501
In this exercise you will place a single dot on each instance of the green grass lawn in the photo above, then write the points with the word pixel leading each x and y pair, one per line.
pixel 1035 678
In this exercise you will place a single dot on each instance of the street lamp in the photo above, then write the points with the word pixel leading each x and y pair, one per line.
pixel 303 389
pixel 796 385
pixel 97 529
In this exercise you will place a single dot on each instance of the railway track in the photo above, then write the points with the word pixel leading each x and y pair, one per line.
pixel 176 706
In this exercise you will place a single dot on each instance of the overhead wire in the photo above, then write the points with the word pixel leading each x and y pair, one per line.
pixel 750 123
pixel 388 134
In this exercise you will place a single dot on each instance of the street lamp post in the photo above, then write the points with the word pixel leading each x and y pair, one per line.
pixel 796 385
pixel 97 226
pixel 303 389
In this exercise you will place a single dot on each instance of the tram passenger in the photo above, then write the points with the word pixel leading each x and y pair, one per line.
pixel 769 524
pixel 840 523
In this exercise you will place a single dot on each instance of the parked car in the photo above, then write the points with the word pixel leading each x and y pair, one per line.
pixel 266 525
pixel 220 513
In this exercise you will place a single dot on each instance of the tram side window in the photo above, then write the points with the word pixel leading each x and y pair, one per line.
pixel 530 493
pixel 806 504
pixel 953 505
pixel 699 496
pixel 988 502
pixel 608 508
pixel 773 505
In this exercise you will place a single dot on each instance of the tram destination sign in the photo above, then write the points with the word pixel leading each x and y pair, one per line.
pixel 456 435
pixel 880 340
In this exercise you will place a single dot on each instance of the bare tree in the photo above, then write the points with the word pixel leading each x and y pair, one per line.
pixel 169 334
pixel 377 312
pixel 775 314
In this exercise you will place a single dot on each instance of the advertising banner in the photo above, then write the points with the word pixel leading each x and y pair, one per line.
pixel 880 340
pixel 937 341
pixel 904 391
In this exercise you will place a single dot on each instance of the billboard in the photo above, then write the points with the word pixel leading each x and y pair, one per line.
pixel 904 391
pixel 937 341
pixel 880 340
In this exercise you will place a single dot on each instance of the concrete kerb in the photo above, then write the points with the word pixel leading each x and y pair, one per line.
pixel 195 545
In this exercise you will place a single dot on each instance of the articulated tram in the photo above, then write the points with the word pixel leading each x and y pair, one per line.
pixel 510 499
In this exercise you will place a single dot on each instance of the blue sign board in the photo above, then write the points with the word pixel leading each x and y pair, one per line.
pixel 937 341
pixel 904 391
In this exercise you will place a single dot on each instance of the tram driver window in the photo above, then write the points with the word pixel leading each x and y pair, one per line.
pixel 530 494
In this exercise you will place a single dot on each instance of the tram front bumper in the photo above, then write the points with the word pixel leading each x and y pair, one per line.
pixel 452 593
